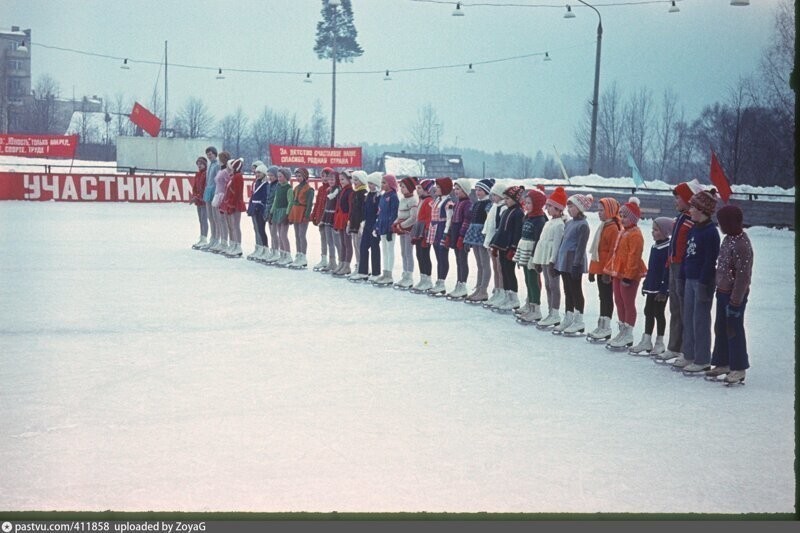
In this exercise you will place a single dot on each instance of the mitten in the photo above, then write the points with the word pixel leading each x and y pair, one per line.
pixel 591 277
pixel 733 311
pixel 538 268
pixel 494 252
pixel 460 243
pixel 510 253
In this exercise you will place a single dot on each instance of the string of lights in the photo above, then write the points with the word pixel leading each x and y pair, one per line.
pixel 558 6
pixel 131 61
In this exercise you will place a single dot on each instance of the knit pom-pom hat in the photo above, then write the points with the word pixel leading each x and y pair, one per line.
pixel 499 188
pixel 360 176
pixel 538 199
pixel 409 184
pixel 465 185
pixel 375 179
pixel 558 198
pixel 630 213
pixel 515 192
pixel 705 201
pixel 486 185
pixel 582 201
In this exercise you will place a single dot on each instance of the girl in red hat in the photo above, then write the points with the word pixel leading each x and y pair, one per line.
pixel 441 214
pixel 546 252
pixel 419 234
pixel 605 238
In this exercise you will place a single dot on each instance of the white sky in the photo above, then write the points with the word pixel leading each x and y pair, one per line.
pixel 523 105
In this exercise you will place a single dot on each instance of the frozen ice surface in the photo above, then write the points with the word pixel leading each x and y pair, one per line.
pixel 137 374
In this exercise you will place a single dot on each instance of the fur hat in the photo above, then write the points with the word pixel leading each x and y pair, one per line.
pixel 410 184
pixel 582 201
pixel 236 164
pixel 538 199
pixel 630 212
pixel 273 170
pixel 286 173
pixel 499 188
pixel 302 171
pixel 427 185
pixel 705 201
pixel 730 219
pixel 445 185
pixel 375 179
pixel 610 207
pixel 515 192
pixel 361 176
pixel 485 185
pixel 465 185
pixel 664 225
pixel 262 168
pixel 391 181
pixel 558 198
pixel 256 163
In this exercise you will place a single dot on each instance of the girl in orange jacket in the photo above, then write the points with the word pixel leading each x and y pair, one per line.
pixel 605 238
pixel 627 269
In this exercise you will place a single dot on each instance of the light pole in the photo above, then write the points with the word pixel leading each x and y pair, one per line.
pixel 595 99
pixel 334 4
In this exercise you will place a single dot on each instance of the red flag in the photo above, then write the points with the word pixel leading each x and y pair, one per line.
pixel 145 119
pixel 719 179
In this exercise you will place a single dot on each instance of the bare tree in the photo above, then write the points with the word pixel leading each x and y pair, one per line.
pixel 637 125
pixel 194 119
pixel 233 130
pixel 777 61
pixel 319 129
pixel 609 132
pixel 427 131
pixel 43 113
pixel 666 133
pixel 120 114
pixel 86 129
pixel 524 166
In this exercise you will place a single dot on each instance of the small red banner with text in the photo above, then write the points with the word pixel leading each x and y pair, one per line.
pixel 39 145
pixel 315 156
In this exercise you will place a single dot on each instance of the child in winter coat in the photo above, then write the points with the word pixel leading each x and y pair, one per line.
pixel 571 263
pixel 406 218
pixel 256 209
pixel 699 270
pixel 273 254
pixel 475 239
pixel 232 208
pixel 489 229
pixel 546 253
pixel 387 214
pixel 677 249
pixel 504 245
pixel 441 215
pixel 221 180
pixel 605 238
pixel 340 217
pixel 328 216
pixel 627 269
pixel 370 242
pixel 280 216
pixel 531 232
pixel 300 214
pixel 355 220
pixel 734 271
pixel 198 188
pixel 462 212
pixel 656 289
pixel 419 234
pixel 316 218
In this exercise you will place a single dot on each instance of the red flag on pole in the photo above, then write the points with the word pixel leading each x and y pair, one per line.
pixel 719 179
pixel 145 119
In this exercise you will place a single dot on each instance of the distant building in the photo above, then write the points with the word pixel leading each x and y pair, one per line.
pixel 421 165
pixel 15 77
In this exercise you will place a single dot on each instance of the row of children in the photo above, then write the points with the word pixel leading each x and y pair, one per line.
pixel 361 215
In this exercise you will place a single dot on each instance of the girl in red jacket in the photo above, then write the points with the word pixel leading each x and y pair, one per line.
pixel 232 207
pixel 419 233
pixel 605 239
pixel 627 269
pixel 198 188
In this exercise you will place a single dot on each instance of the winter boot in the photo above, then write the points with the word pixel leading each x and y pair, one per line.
pixel 323 263
pixel 645 345
pixel 459 292
pixel 658 346
pixel 439 288
pixel 424 283
pixel 567 322
pixel 553 318
pixel 200 243
pixel 385 279
pixel 577 325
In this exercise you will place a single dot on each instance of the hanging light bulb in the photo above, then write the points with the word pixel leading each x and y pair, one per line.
pixel 673 8
pixel 470 70
pixel 569 14
pixel 308 78
pixel 457 11
pixel 387 77
pixel 220 75
pixel 547 56
pixel 740 2
pixel 124 65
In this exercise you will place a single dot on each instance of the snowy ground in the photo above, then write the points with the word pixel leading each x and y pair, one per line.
pixel 137 374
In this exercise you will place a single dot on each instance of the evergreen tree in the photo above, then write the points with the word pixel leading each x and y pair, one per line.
pixel 347 47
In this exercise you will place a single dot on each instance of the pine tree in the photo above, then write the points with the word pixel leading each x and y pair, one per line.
pixel 347 48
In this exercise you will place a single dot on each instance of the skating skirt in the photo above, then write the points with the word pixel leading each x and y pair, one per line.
pixel 340 220
pixel 474 235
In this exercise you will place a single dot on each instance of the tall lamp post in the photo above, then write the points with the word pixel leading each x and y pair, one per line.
pixel 334 5
pixel 593 141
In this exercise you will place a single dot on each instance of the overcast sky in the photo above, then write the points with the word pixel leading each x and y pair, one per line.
pixel 522 105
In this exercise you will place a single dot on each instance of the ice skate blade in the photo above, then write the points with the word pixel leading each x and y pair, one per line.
pixel 702 373
pixel 296 267
pixel 436 294
pixel 234 256
pixel 412 290
pixel 574 334
pixel 658 361
pixel 340 275
pixel 597 340
pixel 545 327
pixel 734 383
pixel 501 311
pixel 525 323
pixel 715 379
pixel 639 354
pixel 382 285
pixel 357 280
pixel 400 288
pixel 454 298
pixel 617 348
pixel 474 302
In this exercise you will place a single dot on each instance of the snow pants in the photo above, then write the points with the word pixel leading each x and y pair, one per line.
pixel 730 344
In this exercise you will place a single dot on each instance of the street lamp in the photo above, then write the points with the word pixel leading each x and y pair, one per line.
pixel 334 4
pixel 593 141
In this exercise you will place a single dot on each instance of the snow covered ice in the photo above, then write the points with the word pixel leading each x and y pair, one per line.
pixel 138 374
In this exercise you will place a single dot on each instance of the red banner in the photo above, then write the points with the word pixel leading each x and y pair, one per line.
pixel 315 156
pixel 146 120
pixel 39 145
pixel 103 188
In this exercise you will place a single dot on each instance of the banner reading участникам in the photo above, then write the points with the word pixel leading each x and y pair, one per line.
pixel 39 145
pixel 315 156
